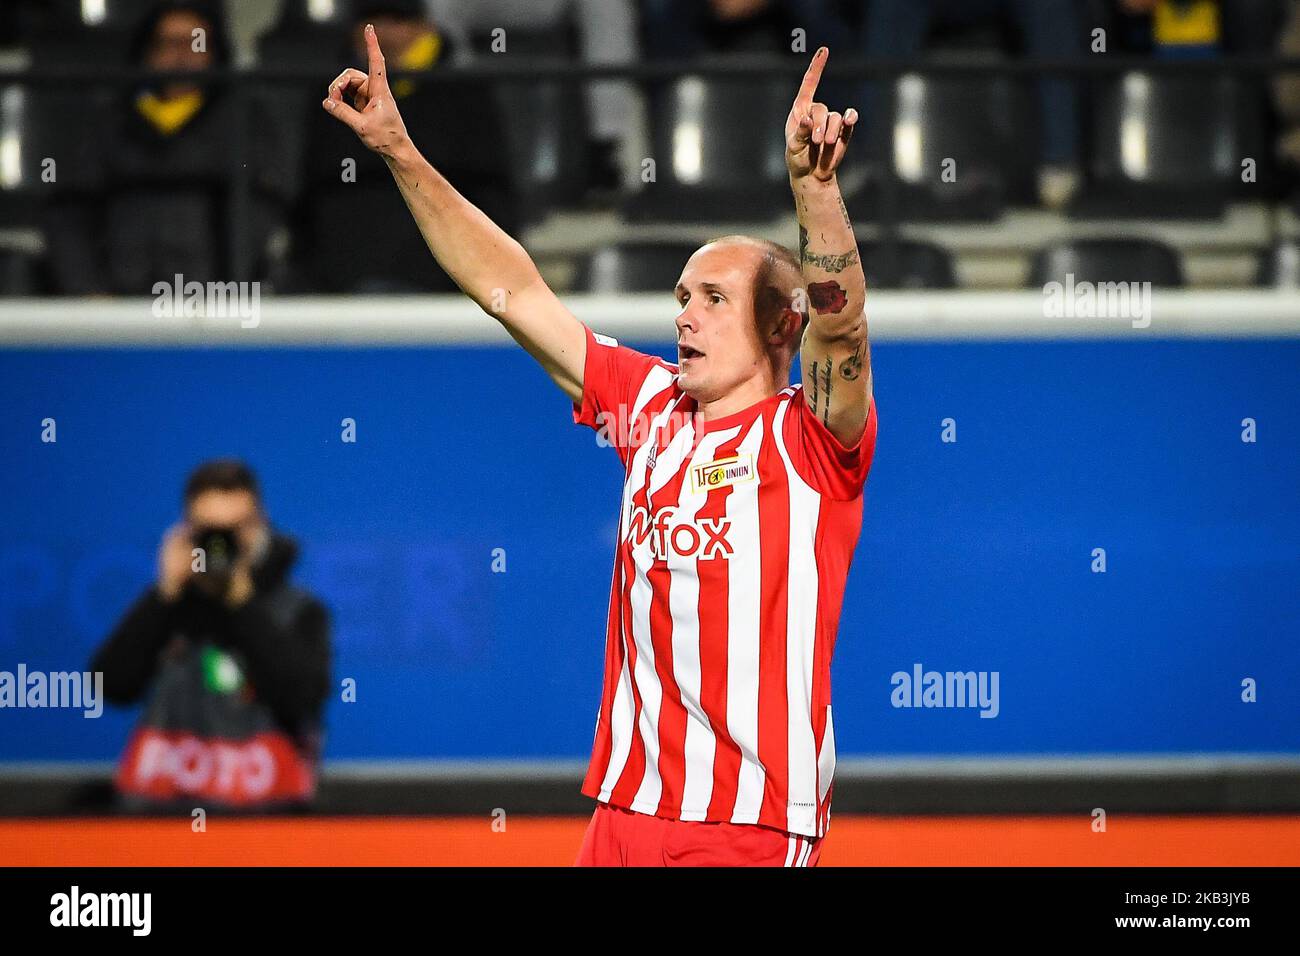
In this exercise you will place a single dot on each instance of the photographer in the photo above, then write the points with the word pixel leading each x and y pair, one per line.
pixel 236 657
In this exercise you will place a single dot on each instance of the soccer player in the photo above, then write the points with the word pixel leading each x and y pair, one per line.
pixel 741 507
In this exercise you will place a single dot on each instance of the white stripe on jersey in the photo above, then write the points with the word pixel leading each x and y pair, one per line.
pixel 807 852
pixel 801 639
pixel 621 724
pixel 684 603
pixel 623 711
pixel 659 379
pixel 744 595
pixel 826 759
pixel 670 462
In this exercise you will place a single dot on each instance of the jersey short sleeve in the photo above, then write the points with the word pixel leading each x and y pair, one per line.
pixel 829 467
pixel 613 378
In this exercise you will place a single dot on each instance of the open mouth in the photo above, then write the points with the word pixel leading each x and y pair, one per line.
pixel 685 352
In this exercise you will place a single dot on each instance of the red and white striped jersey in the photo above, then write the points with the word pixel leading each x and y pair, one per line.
pixel 733 549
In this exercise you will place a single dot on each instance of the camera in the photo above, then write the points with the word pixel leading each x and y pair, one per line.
pixel 220 548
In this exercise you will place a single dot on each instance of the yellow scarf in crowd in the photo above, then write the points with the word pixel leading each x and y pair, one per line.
pixel 420 55
pixel 1186 24
pixel 169 116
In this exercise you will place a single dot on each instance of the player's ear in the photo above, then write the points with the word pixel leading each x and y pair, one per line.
pixel 789 327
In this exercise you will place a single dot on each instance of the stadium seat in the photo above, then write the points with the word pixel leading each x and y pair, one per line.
pixel 399 264
pixel 1107 260
pixel 313 47
pixel 547 132
pixel 547 139
pixel 633 267
pixel 55 128
pixel 21 273
pixel 18 197
pixel 982 126
pixel 1279 266
pixel 307 39
pixel 718 149
pixel 1147 158
pixel 108 15
pixel 907 264
pixel 655 267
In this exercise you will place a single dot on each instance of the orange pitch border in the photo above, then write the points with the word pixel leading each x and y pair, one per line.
pixel 553 841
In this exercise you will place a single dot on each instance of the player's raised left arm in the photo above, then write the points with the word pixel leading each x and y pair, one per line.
pixel 489 266
pixel 835 357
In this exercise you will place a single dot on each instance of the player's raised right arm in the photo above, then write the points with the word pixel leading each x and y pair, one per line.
pixel 489 265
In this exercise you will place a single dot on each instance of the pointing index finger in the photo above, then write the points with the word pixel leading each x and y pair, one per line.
pixel 375 58
pixel 810 79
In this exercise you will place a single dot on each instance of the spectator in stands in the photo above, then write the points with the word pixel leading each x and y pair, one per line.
pixel 1194 28
pixel 232 659
pixel 606 34
pixel 165 170
pixel 349 191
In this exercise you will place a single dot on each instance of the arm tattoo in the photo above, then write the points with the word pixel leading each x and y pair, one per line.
pixel 836 263
pixel 851 367
pixel 827 297
pixel 820 397
pixel 826 392
pixel 828 263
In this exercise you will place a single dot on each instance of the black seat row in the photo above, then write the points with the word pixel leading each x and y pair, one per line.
pixel 911 264
pixel 957 148
pixel 966 148
pixel 908 264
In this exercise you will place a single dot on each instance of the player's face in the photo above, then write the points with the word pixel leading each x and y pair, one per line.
pixel 718 345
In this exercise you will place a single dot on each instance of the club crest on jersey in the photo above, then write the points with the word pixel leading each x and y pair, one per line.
pixel 723 472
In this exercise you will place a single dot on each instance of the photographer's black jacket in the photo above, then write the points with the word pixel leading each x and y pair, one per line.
pixel 220 681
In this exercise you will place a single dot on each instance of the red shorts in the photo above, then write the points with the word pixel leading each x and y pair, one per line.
pixel 618 837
